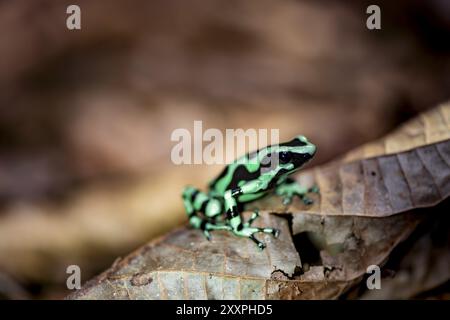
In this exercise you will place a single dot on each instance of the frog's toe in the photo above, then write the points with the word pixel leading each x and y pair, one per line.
pixel 314 189
pixel 207 235
pixel 260 244
pixel 276 233
pixel 287 201
pixel 307 201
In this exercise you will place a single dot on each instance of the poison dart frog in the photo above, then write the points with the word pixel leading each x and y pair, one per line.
pixel 246 179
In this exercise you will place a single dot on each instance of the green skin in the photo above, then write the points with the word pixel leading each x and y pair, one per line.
pixel 248 178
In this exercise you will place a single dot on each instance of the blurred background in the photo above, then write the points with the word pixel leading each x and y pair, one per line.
pixel 86 115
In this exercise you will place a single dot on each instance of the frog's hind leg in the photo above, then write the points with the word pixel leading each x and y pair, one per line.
pixel 240 228
pixel 203 211
pixel 255 215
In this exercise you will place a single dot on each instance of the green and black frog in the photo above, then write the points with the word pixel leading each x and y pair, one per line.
pixel 248 178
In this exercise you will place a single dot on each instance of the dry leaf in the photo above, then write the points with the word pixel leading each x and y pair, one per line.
pixel 364 210
pixel 423 262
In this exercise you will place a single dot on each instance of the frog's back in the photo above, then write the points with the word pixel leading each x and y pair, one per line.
pixel 235 175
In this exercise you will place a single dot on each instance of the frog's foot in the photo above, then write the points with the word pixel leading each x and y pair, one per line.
pixel 306 200
pixel 207 235
pixel 290 190
pixel 287 199
pixel 249 232
pixel 206 227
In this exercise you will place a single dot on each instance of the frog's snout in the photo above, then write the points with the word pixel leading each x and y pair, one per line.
pixel 302 138
pixel 311 149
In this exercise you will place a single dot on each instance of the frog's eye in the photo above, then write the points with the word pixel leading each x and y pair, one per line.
pixel 285 157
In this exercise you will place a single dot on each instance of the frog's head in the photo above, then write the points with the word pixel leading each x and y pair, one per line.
pixel 295 153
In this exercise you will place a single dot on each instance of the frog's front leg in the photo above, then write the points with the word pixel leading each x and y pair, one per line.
pixel 291 188
pixel 234 217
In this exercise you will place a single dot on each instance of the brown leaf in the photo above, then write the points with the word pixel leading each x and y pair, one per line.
pixel 364 210
pixel 407 169
pixel 423 263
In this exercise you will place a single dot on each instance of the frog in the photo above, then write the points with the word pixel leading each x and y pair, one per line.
pixel 247 179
